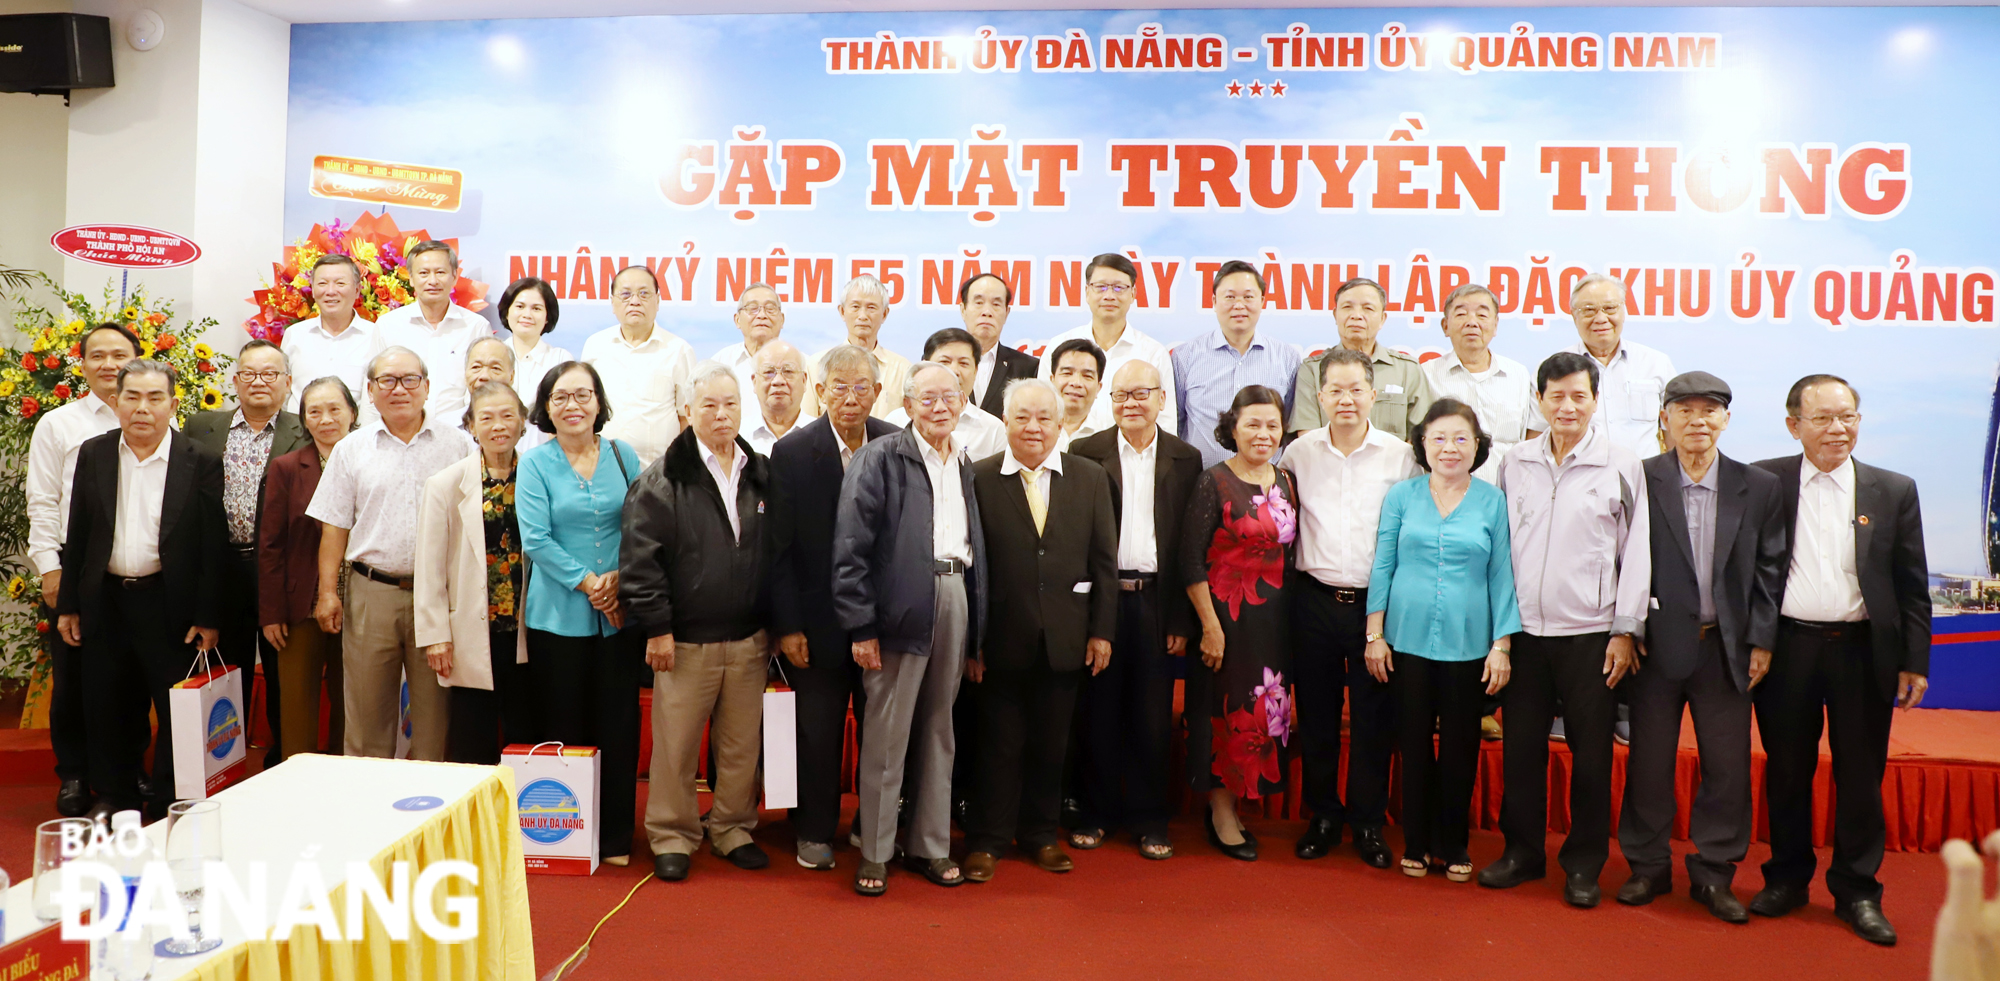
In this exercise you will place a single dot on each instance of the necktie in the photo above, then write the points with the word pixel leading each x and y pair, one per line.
pixel 1031 484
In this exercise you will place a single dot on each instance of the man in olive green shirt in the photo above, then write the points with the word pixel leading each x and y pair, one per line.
pixel 1402 396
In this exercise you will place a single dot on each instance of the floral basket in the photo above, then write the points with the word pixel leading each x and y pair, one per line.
pixel 377 246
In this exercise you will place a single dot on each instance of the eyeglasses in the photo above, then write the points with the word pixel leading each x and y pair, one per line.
pixel 1847 420
pixel 1232 299
pixel 584 397
pixel 389 382
pixel 1440 442
pixel 627 296
pixel 1142 394
pixel 252 377
pixel 841 392
pixel 928 401
pixel 1114 289
pixel 770 307
pixel 788 370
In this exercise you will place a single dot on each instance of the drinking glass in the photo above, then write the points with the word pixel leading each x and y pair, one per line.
pixel 49 860
pixel 194 838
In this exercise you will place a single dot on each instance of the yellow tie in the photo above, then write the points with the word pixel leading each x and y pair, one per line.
pixel 1031 484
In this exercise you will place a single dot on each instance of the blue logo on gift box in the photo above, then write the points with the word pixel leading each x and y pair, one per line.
pixel 224 728
pixel 549 811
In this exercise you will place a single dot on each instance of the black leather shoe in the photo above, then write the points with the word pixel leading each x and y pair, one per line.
pixel 1641 889
pixel 1244 852
pixel 1720 901
pixel 672 867
pixel 1320 838
pixel 1071 817
pixel 74 799
pixel 1510 871
pixel 1581 891
pixel 1369 845
pixel 1777 899
pixel 1865 916
pixel 747 856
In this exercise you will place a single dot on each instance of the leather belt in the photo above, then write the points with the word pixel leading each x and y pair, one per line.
pixel 1133 582
pixel 366 571
pixel 1341 594
pixel 1708 628
pixel 137 582
pixel 948 567
pixel 1836 628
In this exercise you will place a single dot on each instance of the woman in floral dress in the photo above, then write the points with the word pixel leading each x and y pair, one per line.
pixel 1237 544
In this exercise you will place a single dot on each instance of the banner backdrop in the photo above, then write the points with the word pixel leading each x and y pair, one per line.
pixel 1784 190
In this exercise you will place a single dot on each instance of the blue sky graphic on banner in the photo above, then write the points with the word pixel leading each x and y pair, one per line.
pixel 1786 190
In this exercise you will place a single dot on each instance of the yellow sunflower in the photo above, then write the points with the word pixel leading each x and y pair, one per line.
pixel 6 389
pixel 203 352
pixel 210 398
pixel 16 586
pixel 145 349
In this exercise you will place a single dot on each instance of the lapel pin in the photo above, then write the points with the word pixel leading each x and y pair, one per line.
pixel 1861 520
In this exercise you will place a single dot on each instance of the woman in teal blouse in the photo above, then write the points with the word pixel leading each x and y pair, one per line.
pixel 1441 615
pixel 570 499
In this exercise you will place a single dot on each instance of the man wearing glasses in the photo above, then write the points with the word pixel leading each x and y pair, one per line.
pixel 1212 368
pixel 761 318
pixel 438 330
pixel 642 366
pixel 864 306
pixel 248 438
pixel 366 505
pixel 778 376
pixel 1109 289
pixel 980 432
pixel 1402 395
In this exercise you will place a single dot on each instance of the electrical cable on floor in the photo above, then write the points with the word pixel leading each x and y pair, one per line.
pixel 575 960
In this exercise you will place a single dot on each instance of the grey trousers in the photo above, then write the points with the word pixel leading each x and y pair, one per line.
pixel 909 711
pixel 1719 823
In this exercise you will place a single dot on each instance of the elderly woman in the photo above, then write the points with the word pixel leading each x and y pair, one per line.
pixel 469 575
pixel 288 573
pixel 1236 550
pixel 528 310
pixel 1441 615
pixel 583 657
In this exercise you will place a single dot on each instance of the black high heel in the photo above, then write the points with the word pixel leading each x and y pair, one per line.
pixel 1244 852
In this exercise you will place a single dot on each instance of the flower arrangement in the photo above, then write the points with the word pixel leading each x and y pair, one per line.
pixel 377 246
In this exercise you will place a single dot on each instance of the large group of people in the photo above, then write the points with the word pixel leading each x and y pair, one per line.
pixel 1000 564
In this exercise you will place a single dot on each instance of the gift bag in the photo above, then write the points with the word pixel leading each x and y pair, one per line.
pixel 555 796
pixel 210 746
pixel 781 744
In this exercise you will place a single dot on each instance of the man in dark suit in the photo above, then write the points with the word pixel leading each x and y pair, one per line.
pixel 1052 549
pixel 806 469
pixel 1718 569
pixel 983 303
pixel 1128 709
pixel 247 438
pixel 1854 642
pixel 144 557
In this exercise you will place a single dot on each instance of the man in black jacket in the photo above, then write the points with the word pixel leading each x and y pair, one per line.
pixel 692 567
pixel 1718 569
pixel 909 587
pixel 983 303
pixel 144 560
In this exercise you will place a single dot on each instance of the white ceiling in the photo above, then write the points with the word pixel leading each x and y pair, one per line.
pixel 363 11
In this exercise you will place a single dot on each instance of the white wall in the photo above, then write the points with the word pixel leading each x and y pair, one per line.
pixel 34 159
pixel 239 176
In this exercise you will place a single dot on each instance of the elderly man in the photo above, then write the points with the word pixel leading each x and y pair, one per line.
pixel 1854 643
pixel 1129 707
pixel 1718 571
pixel 1402 396
pixel 1052 546
pixel 1577 514
pixel 806 470
pixel 367 505
pixel 1212 368
pixel 864 305
pixel 492 359
pixel 909 587
pixel 1078 375
pixel 336 342
pixel 1632 375
pixel 642 365
pixel 983 303
pixel 692 569
pixel 760 318
pixel 1499 389
pixel 51 476
pixel 247 439
pixel 1344 470
pixel 1110 288
pixel 980 432
pixel 438 330
pixel 778 377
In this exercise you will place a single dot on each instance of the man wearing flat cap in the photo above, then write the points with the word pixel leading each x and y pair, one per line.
pixel 1718 548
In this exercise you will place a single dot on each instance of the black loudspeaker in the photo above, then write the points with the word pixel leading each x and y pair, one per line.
pixel 50 54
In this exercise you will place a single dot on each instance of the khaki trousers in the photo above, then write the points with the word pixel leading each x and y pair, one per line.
pixel 378 648
pixel 310 655
pixel 725 681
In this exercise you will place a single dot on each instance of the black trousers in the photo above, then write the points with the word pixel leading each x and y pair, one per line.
pixel 1329 638
pixel 1128 718
pixel 1719 823
pixel 69 727
pixel 823 688
pixel 131 658
pixel 586 690
pixel 242 641
pixel 485 720
pixel 1437 778
pixel 1548 670
pixel 1824 675
pixel 1024 720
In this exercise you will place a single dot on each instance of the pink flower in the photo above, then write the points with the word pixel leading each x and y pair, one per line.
pixel 1276 703
pixel 1280 512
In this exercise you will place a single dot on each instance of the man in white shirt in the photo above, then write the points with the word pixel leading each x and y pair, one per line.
pixel 1500 389
pixel 760 317
pixel 981 433
pixel 337 343
pixel 864 305
pixel 642 366
pixel 1077 371
pixel 51 473
pixel 1343 471
pixel 778 376
pixel 438 330
pixel 366 505
pixel 983 304
pixel 1630 376
pixel 1110 288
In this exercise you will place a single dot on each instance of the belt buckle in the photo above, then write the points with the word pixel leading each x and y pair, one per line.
pixel 1131 585
pixel 1346 595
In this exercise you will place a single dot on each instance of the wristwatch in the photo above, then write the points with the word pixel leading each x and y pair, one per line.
pixel 1372 638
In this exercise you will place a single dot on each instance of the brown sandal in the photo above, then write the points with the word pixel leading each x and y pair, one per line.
pixel 934 869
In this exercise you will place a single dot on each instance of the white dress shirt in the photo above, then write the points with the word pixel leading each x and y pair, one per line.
pixel 528 371
pixel 1138 544
pixel 1503 396
pixel 726 482
pixel 373 484
pixel 1133 345
pixel 1628 395
pixel 312 353
pixel 641 381
pixel 1064 437
pixel 740 360
pixel 762 437
pixel 1340 501
pixel 951 529
pixel 442 348
pixel 980 432
pixel 1822 584
pixel 142 492
pixel 982 377
pixel 52 471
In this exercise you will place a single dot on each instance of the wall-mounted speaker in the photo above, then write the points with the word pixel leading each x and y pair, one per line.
pixel 51 54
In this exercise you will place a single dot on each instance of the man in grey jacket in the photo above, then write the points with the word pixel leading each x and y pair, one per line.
pixel 909 586
pixel 1576 505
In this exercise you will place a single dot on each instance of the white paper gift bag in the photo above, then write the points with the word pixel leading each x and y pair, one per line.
pixel 555 795
pixel 209 741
